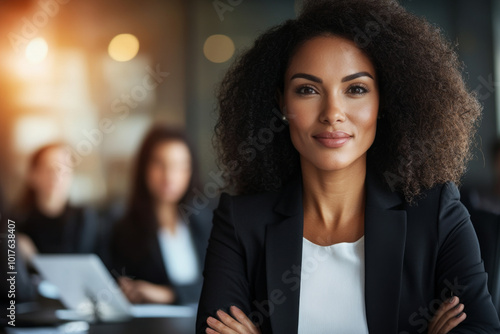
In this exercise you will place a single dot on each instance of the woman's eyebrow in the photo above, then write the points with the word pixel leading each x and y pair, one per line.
pixel 306 76
pixel 318 80
pixel 356 75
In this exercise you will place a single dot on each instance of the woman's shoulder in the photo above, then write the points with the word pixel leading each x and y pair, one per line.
pixel 261 202
pixel 441 204
pixel 250 211
pixel 249 199
pixel 443 194
pixel 439 200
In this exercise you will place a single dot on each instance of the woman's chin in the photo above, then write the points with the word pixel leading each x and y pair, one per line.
pixel 331 166
pixel 169 199
pixel 334 163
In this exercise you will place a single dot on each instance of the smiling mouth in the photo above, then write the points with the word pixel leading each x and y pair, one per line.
pixel 333 139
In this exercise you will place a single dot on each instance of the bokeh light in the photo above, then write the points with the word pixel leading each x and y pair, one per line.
pixel 37 50
pixel 218 48
pixel 123 47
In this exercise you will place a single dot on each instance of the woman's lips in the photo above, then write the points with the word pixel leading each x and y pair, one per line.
pixel 333 139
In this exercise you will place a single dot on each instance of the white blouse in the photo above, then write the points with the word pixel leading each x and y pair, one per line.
pixel 179 255
pixel 332 288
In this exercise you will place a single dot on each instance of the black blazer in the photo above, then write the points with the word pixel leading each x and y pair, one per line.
pixel 149 266
pixel 414 256
pixel 75 231
pixel 487 226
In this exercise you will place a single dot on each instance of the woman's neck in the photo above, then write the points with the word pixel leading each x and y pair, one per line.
pixel 334 202
pixel 167 215
pixel 51 206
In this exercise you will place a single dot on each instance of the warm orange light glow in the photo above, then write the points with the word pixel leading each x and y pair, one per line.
pixel 37 50
pixel 123 47
pixel 218 48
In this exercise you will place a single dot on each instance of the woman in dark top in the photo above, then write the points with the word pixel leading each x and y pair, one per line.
pixel 346 217
pixel 45 216
pixel 158 247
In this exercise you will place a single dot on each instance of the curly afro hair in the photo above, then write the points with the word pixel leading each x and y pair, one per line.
pixel 428 116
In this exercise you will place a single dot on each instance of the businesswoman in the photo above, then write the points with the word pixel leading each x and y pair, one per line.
pixel 347 218
pixel 48 222
pixel 158 247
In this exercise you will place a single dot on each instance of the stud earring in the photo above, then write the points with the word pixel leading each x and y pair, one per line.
pixel 283 117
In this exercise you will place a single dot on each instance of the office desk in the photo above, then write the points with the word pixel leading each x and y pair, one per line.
pixel 43 318
pixel 134 326
pixel 147 326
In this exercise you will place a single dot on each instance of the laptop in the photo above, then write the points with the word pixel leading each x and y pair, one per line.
pixel 90 293
pixel 85 286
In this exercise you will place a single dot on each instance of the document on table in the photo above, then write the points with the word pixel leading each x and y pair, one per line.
pixel 74 327
pixel 162 311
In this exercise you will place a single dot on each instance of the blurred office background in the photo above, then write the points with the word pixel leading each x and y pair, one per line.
pixel 64 79
pixel 98 74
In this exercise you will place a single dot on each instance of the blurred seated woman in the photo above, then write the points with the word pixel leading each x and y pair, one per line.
pixel 157 250
pixel 47 222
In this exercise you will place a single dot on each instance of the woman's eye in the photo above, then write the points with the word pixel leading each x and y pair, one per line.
pixel 306 90
pixel 357 90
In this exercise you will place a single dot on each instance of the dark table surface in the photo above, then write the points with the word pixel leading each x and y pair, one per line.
pixel 135 326
pixel 147 326
pixel 43 317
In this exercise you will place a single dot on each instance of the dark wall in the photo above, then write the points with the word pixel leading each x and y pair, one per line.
pixel 242 24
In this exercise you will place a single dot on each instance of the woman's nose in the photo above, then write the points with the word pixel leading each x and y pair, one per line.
pixel 333 110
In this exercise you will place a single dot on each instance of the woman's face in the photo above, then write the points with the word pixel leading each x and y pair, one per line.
pixel 169 171
pixel 51 178
pixel 331 101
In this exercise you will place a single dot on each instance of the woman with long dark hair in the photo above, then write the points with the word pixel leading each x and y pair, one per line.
pixel 156 249
pixel 346 216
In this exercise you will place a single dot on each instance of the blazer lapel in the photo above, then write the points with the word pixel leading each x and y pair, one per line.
pixel 156 257
pixel 283 260
pixel 385 236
